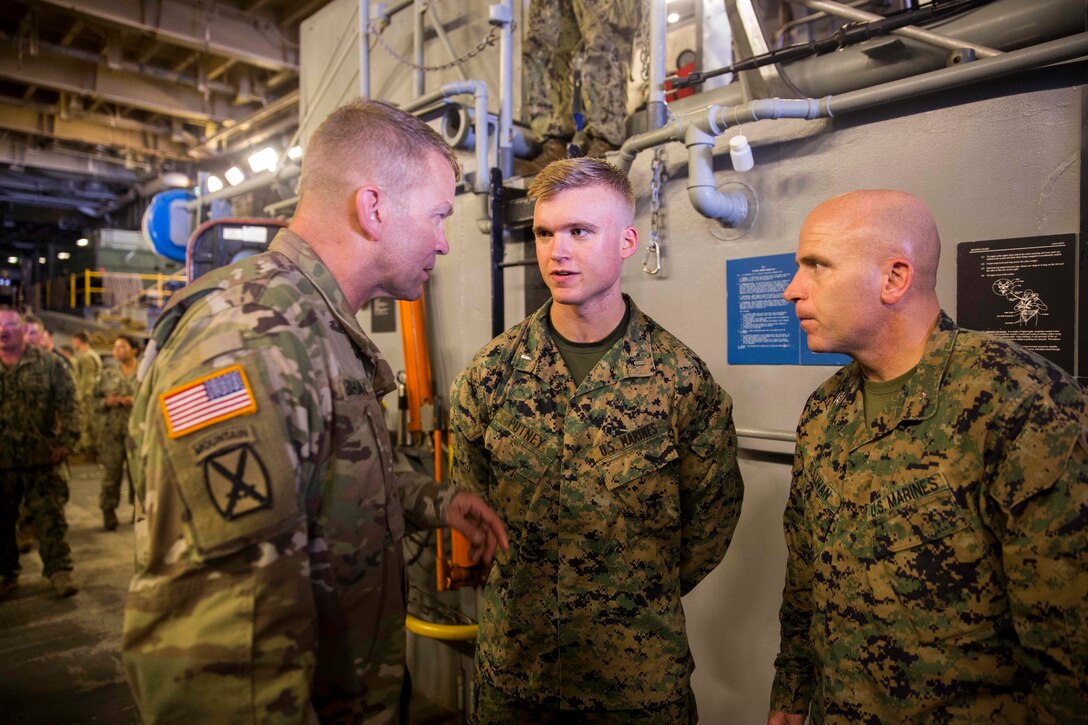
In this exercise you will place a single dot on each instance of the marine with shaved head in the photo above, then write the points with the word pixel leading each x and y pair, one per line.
pixel 937 522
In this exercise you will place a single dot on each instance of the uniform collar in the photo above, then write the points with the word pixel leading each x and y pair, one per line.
pixel 317 272
pixel 922 391
pixel 631 357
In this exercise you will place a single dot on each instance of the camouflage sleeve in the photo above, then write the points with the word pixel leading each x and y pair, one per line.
pixel 1041 495
pixel 220 619
pixel 66 403
pixel 101 386
pixel 793 678
pixel 711 488
pixel 468 421
pixel 424 500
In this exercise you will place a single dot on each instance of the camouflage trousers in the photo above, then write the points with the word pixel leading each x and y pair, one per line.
pixel 88 436
pixel 111 454
pixel 45 492
pixel 494 707
pixel 603 32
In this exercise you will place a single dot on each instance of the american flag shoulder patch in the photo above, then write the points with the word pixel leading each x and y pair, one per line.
pixel 213 398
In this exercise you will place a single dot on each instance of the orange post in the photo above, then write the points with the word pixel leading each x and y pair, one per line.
pixel 72 291
pixel 417 361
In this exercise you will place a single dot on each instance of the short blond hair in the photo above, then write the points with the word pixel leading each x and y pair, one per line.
pixel 566 174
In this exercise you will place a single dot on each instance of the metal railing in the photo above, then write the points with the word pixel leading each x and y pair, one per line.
pixel 87 288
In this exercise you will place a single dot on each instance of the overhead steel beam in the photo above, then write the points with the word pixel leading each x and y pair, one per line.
pixel 117 86
pixel 18 154
pixel 35 123
pixel 209 27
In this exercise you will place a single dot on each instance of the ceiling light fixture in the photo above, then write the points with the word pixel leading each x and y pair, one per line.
pixel 13 260
pixel 214 184
pixel 235 176
pixel 82 242
pixel 673 17
pixel 294 153
pixel 264 160
pixel 64 255
pixel 41 260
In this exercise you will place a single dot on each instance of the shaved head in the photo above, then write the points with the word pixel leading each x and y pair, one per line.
pixel 882 223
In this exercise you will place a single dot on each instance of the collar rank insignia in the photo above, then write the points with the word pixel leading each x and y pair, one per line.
pixel 237 482
pixel 211 399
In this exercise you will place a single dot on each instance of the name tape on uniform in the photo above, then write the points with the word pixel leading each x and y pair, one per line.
pixel 213 398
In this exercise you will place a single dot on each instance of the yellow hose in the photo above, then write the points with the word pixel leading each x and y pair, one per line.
pixel 448 632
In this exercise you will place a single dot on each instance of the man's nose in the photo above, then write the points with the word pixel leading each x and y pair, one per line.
pixel 793 290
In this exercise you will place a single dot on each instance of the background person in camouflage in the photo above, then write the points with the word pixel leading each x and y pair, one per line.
pixel 113 397
pixel 938 547
pixel 609 451
pixel 39 426
pixel 270 582
pixel 603 32
pixel 86 367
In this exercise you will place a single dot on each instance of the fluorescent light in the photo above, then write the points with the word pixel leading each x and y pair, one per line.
pixel 294 153
pixel 235 176
pixel 214 184
pixel 82 242
pixel 13 260
pixel 673 17
pixel 64 255
pixel 264 160
pixel 41 260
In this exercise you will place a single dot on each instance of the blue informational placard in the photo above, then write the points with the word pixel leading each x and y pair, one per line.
pixel 762 326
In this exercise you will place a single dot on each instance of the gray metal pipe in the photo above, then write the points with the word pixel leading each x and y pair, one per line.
pixel 506 86
pixel 728 208
pixel 1005 24
pixel 656 110
pixel 1036 56
pixel 364 48
pixel 478 89
pixel 939 40
pixel 417 46
pixel 697 128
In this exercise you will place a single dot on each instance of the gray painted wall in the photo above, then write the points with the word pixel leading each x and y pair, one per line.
pixel 990 168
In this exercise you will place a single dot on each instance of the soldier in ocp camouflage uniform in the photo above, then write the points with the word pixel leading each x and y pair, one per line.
pixel 938 545
pixel 603 32
pixel 39 427
pixel 270 582
pixel 609 451
pixel 86 367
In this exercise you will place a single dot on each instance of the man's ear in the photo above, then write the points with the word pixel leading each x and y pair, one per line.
pixel 896 281
pixel 369 211
pixel 629 244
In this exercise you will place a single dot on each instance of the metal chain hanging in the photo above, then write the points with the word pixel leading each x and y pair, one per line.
pixel 489 40
pixel 660 174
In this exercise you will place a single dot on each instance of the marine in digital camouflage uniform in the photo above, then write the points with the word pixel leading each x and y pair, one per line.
pixel 270 583
pixel 114 395
pixel 603 31
pixel 620 489
pixel 938 545
pixel 39 427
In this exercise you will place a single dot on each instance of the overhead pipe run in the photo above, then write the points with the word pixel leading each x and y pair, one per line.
pixel 478 89
pixel 939 40
pixel 698 128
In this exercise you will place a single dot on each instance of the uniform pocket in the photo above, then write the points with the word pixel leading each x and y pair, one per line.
pixel 519 461
pixel 929 553
pixel 644 479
